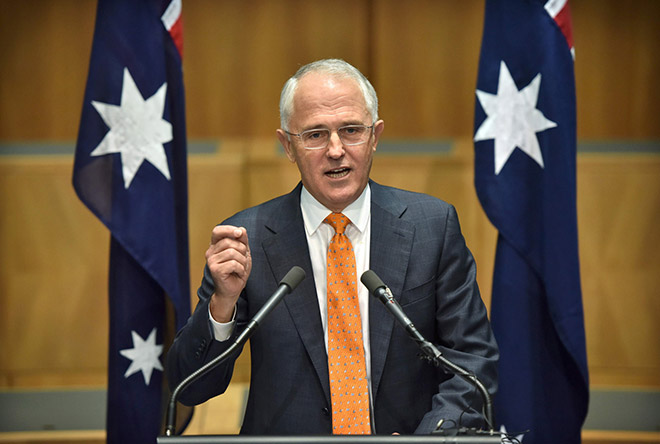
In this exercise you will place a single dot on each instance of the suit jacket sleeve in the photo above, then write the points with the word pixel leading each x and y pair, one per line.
pixel 463 334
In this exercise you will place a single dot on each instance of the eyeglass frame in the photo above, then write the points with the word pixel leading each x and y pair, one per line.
pixel 369 127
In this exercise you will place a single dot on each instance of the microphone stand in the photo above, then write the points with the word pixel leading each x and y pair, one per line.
pixel 432 354
pixel 194 376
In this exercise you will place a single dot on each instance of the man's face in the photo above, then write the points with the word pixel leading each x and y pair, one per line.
pixel 335 175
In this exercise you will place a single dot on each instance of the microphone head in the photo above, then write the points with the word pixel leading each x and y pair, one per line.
pixel 371 281
pixel 293 277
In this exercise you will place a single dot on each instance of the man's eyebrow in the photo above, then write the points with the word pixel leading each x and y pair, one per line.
pixel 324 127
pixel 313 127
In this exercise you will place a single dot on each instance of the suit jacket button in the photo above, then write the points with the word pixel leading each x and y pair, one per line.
pixel 325 411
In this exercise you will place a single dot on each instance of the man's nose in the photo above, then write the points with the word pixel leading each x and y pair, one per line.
pixel 335 146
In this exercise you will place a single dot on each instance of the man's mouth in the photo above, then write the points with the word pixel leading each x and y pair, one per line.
pixel 337 173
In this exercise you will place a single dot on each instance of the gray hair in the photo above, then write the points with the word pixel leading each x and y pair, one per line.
pixel 334 67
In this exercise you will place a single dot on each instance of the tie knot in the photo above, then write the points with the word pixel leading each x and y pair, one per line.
pixel 338 222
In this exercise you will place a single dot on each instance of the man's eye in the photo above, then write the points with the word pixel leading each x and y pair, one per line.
pixel 315 135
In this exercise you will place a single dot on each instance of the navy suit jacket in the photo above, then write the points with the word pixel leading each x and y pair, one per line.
pixel 418 250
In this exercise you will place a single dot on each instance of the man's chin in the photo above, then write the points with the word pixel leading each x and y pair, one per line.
pixel 337 202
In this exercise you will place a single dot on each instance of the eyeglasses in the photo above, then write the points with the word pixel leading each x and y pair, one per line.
pixel 318 138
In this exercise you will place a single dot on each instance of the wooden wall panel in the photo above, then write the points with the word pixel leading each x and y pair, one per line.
pixel 44 59
pixel 239 54
pixel 617 65
pixel 421 55
pixel 425 58
pixel 619 206
pixel 53 290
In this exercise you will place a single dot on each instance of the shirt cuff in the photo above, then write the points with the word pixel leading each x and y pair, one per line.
pixel 222 330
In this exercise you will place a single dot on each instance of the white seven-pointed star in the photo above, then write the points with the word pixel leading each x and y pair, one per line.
pixel 513 119
pixel 144 356
pixel 137 129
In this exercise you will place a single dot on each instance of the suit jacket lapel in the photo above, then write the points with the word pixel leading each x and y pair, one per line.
pixel 288 247
pixel 391 244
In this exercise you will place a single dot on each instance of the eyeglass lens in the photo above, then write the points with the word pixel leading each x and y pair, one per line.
pixel 349 135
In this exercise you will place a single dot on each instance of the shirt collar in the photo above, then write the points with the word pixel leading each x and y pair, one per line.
pixel 314 212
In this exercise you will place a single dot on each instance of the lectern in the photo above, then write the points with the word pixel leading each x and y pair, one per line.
pixel 371 439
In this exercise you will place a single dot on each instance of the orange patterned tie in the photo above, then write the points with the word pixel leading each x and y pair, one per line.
pixel 348 375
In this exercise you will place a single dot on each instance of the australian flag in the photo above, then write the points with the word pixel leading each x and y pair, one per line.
pixel 130 170
pixel 525 177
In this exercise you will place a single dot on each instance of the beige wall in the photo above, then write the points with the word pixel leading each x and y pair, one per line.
pixel 422 57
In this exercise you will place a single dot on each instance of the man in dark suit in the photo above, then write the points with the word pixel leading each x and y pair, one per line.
pixel 330 129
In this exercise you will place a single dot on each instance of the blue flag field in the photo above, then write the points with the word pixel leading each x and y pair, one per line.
pixel 130 170
pixel 525 177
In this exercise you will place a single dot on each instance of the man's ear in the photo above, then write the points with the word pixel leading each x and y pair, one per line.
pixel 286 143
pixel 379 126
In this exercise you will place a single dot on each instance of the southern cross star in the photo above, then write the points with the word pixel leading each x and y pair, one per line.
pixel 144 356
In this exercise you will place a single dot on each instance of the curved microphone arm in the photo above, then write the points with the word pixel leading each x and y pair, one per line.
pixel 434 355
pixel 288 283
pixel 194 376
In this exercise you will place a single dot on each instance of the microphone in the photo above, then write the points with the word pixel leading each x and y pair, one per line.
pixel 376 287
pixel 288 283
